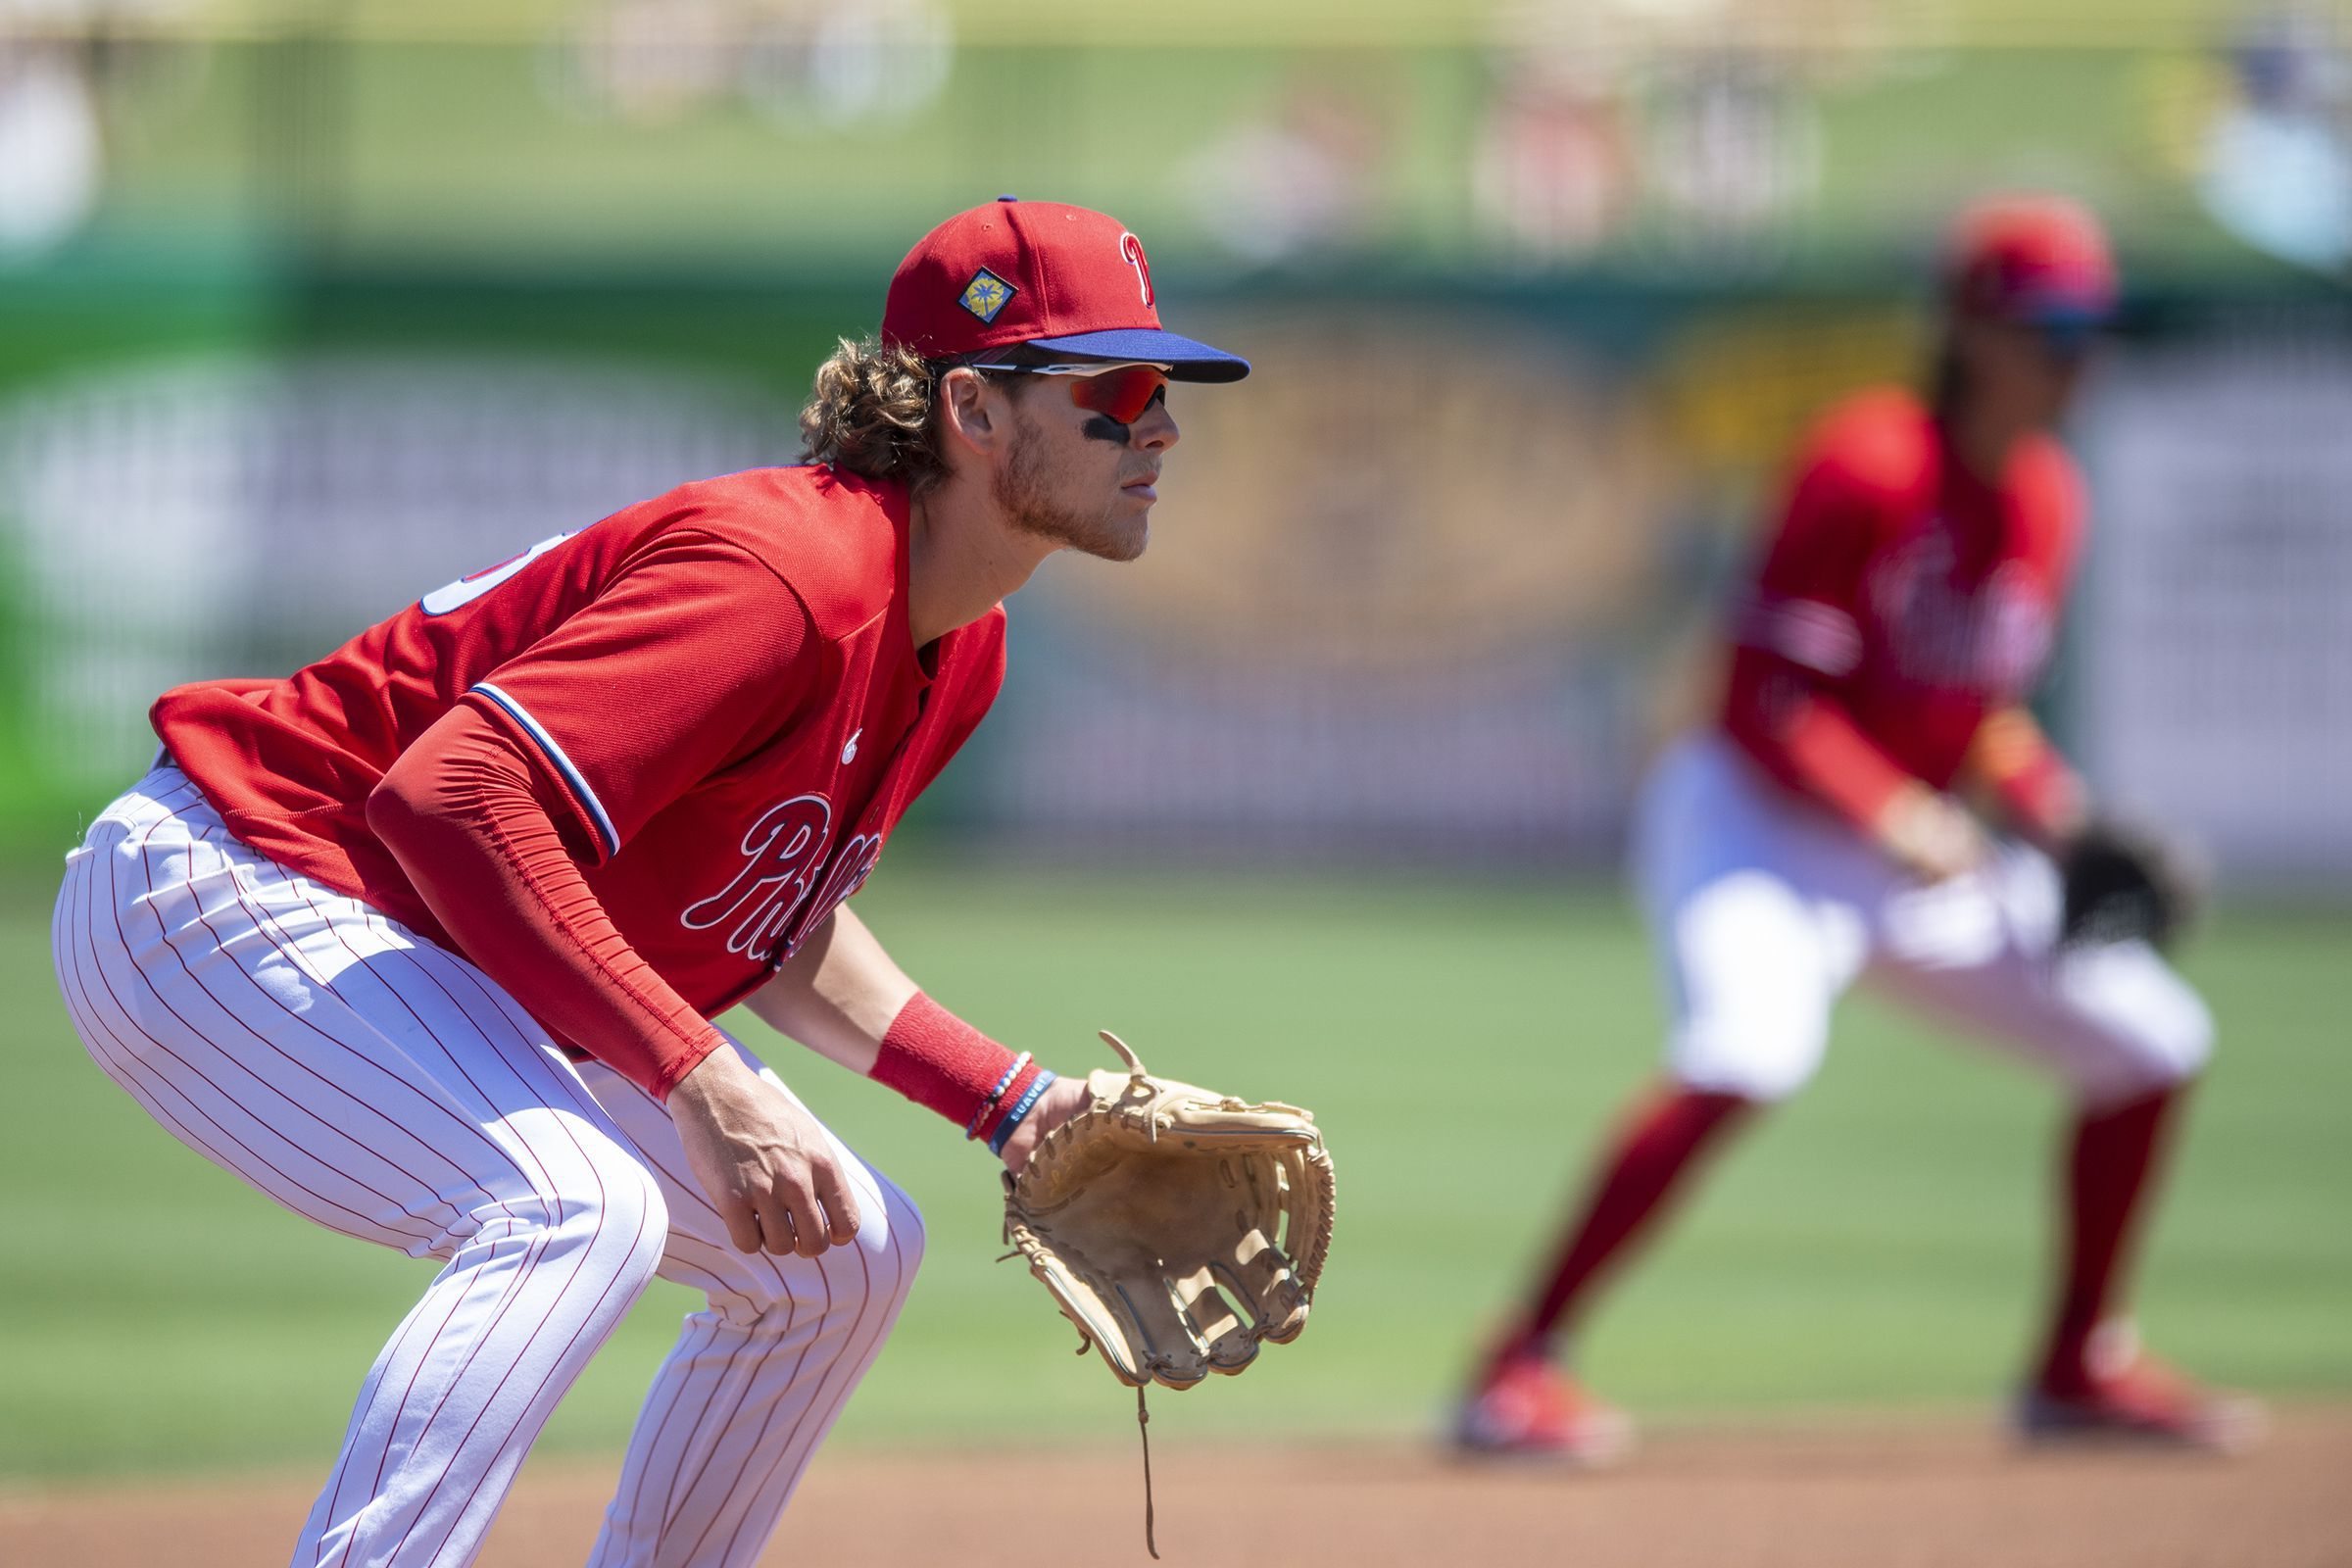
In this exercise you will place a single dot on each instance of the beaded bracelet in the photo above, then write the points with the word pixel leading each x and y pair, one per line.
pixel 1023 1070
pixel 1020 1108
pixel 980 1116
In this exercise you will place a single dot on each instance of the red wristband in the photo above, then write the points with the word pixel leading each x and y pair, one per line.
pixel 2044 796
pixel 935 1058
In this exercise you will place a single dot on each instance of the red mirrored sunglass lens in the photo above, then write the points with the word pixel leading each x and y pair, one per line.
pixel 1122 394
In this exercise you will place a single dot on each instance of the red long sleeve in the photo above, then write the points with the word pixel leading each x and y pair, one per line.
pixel 473 822
pixel 2033 782
pixel 1799 636
pixel 1805 738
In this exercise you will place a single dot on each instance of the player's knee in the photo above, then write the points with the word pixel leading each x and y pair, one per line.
pixel 2172 1046
pixel 1757 1058
pixel 2189 1043
pixel 1752 974
pixel 621 1220
pixel 615 1202
pixel 890 1242
pixel 2154 1033
pixel 880 1261
pixel 604 1228
pixel 1764 1087
pixel 636 1207
pixel 887 1249
pixel 899 1243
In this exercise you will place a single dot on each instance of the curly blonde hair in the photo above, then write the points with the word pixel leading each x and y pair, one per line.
pixel 870 414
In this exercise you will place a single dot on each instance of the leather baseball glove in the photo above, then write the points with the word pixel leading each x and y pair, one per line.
pixel 2124 883
pixel 1176 1228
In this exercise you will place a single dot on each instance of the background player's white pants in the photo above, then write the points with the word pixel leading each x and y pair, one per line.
pixel 372 1082
pixel 1763 909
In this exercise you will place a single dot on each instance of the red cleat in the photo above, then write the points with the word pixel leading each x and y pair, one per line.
pixel 1525 1406
pixel 2122 1395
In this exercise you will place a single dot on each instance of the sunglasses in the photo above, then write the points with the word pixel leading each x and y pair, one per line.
pixel 1120 394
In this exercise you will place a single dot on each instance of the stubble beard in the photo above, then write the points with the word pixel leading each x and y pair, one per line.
pixel 1021 490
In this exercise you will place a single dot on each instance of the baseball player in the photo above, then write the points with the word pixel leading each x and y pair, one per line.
pixel 1815 836
pixel 424 941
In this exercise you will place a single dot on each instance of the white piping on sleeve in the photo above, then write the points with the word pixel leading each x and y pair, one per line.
pixel 564 765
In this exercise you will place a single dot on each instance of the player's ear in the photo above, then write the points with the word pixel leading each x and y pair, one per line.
pixel 972 413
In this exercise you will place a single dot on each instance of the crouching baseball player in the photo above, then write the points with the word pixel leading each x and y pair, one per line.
pixel 1811 838
pixel 424 941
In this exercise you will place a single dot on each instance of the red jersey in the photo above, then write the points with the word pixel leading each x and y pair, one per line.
pixel 719 686
pixel 1900 601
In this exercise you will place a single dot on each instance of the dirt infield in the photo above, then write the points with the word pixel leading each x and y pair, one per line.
pixel 1820 1495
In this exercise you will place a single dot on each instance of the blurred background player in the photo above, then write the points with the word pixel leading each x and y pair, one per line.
pixel 424 941
pixel 1904 607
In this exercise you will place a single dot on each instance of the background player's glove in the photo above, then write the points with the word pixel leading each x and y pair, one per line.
pixel 2124 883
pixel 1174 1227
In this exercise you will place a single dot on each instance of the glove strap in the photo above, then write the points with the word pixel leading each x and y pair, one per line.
pixel 1142 1427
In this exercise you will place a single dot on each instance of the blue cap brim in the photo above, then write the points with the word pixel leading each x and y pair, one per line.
pixel 2069 326
pixel 1186 360
pixel 2078 313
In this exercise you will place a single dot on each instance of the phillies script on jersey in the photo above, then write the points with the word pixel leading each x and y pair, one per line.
pixel 1901 599
pixel 721 682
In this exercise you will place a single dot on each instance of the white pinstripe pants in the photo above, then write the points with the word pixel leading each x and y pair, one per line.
pixel 384 1088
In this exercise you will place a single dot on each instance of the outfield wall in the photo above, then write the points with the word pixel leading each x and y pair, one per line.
pixel 348 316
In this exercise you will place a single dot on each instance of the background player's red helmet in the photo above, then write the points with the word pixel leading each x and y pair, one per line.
pixel 2037 258
pixel 1065 280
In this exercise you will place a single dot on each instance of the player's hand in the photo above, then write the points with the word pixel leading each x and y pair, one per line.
pixel 1931 835
pixel 767 1167
pixel 1061 1101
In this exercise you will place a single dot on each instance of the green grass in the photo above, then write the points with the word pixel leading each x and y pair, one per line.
pixel 1876 1243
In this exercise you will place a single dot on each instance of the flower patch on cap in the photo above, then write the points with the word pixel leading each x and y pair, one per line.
pixel 986 294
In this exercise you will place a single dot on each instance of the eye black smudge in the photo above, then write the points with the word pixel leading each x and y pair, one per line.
pixel 1103 428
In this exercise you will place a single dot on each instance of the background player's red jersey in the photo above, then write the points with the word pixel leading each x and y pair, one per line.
pixel 1900 601
pixel 720 683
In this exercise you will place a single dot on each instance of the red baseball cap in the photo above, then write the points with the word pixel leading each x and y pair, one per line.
pixel 2037 258
pixel 1066 282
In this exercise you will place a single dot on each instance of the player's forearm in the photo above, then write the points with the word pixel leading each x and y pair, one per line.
pixel 2039 794
pixel 458 813
pixel 843 997
pixel 839 993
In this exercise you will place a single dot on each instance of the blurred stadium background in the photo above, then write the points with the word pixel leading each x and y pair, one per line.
pixel 305 307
